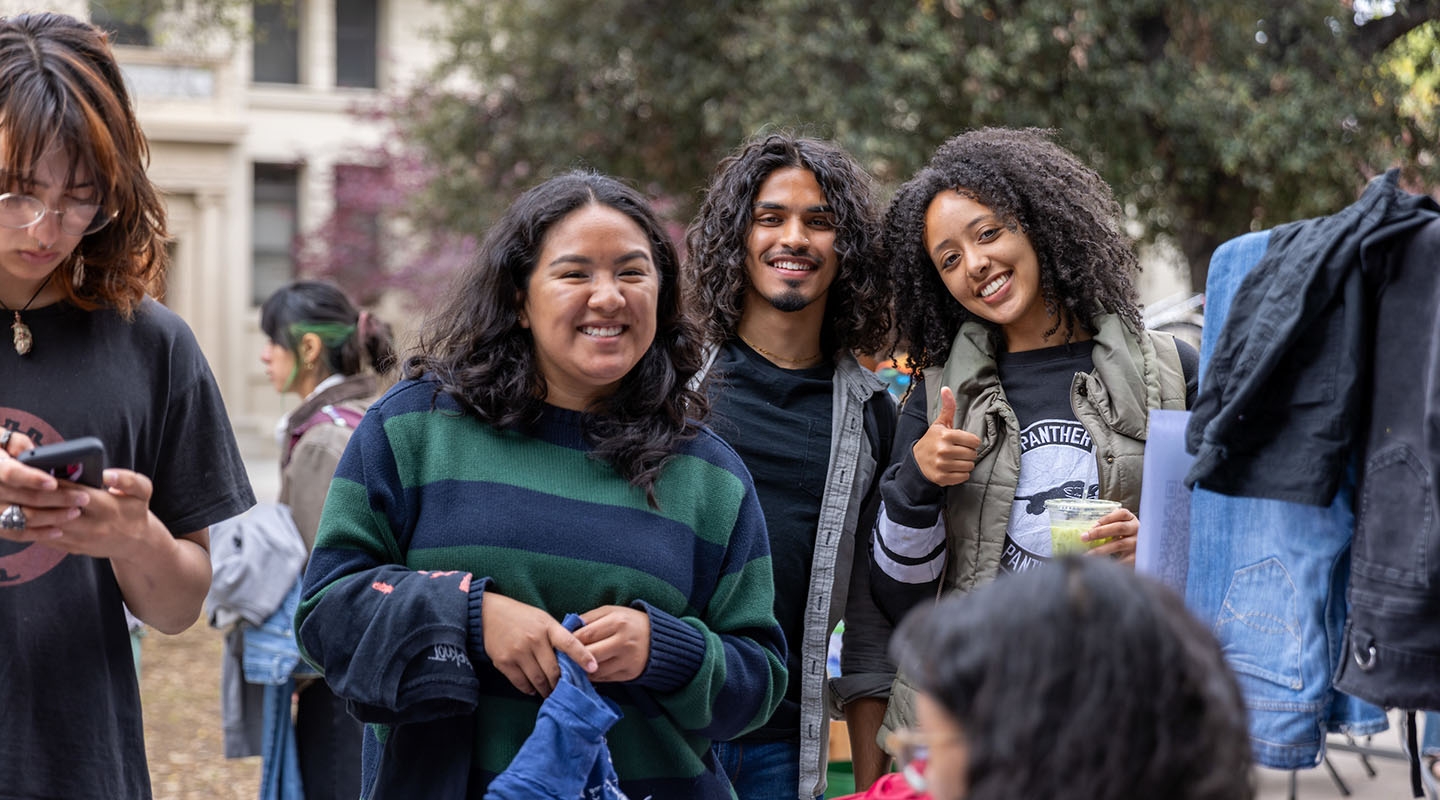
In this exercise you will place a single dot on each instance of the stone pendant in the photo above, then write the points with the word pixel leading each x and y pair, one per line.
pixel 23 339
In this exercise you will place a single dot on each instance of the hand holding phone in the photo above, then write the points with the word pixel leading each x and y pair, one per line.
pixel 80 460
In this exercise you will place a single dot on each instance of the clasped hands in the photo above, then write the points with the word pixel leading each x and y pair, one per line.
pixel 521 640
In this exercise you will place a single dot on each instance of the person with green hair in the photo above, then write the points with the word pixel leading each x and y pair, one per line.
pixel 334 356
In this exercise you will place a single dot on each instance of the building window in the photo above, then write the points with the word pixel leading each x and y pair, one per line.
pixel 128 23
pixel 357 42
pixel 274 225
pixel 276 39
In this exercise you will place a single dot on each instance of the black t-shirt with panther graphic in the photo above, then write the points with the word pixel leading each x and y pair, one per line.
pixel 1057 455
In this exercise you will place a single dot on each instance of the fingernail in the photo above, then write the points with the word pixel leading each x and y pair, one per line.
pixel 72 513
pixel 82 499
pixel 109 477
pixel 591 665
pixel 55 534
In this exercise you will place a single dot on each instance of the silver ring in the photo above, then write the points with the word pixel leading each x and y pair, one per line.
pixel 5 438
pixel 12 518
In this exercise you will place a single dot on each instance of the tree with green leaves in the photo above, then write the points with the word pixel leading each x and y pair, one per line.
pixel 1209 120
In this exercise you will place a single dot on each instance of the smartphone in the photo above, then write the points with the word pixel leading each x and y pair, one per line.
pixel 80 460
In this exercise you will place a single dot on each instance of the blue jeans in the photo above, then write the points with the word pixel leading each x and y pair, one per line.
pixel 1269 579
pixel 1430 743
pixel 760 770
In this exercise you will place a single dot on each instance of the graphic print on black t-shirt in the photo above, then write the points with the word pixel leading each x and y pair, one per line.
pixel 1057 459
pixel 21 563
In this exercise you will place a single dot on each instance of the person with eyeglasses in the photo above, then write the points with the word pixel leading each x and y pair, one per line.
pixel 1079 678
pixel 82 238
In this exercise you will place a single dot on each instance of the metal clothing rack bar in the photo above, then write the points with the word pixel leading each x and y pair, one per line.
pixel 1366 752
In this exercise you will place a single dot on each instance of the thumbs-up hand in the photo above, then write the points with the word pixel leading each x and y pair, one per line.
pixel 946 454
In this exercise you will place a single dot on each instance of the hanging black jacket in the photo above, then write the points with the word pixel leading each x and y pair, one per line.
pixel 1391 654
pixel 1278 411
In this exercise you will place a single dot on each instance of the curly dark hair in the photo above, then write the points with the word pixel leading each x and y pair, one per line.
pixel 482 356
pixel 1067 210
pixel 858 312
pixel 1098 674
pixel 61 87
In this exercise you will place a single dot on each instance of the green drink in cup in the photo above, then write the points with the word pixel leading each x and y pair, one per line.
pixel 1072 516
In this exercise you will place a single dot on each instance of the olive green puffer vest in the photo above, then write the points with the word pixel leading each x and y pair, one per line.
pixel 1132 375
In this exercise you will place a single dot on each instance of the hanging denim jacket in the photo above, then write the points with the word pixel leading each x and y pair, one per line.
pixel 1269 577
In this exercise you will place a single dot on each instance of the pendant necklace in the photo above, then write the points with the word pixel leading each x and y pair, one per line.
pixel 21 331
pixel 797 362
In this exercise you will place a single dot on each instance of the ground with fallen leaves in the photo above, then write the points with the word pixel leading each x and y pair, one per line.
pixel 180 693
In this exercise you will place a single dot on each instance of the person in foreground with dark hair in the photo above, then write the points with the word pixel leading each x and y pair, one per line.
pixel 90 353
pixel 1077 679
pixel 783 273
pixel 1036 375
pixel 333 355
pixel 541 457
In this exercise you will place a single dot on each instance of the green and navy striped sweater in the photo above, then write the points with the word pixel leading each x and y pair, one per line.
pixel 431 507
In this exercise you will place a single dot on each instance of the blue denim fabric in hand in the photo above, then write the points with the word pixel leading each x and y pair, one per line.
pixel 566 757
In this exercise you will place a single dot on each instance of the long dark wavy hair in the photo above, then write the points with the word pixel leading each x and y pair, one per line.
pixel 477 349
pixel 1087 261
pixel 60 87
pixel 858 311
pixel 1099 674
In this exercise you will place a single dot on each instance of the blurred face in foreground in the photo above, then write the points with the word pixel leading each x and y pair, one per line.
pixel 945 767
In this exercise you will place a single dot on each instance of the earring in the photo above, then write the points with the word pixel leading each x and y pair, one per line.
pixel 78 271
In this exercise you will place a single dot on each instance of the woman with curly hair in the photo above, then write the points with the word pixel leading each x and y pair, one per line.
pixel 90 353
pixel 1035 375
pixel 784 275
pixel 541 457
pixel 1077 679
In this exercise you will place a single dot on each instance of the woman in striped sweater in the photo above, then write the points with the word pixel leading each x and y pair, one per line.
pixel 542 457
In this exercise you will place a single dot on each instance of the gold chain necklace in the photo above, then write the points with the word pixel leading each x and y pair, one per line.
pixel 22 338
pixel 798 362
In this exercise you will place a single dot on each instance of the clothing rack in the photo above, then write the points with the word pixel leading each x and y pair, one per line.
pixel 1367 751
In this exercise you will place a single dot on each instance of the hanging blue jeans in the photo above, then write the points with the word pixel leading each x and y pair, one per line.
pixel 1269 577
pixel 271 658
pixel 1430 744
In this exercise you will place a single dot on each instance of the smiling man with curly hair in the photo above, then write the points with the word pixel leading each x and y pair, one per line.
pixel 785 280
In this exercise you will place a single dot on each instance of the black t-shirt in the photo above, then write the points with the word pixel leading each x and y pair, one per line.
pixel 1057 455
pixel 779 421
pixel 70 715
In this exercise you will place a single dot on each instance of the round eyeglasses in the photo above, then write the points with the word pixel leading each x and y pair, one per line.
pixel 76 219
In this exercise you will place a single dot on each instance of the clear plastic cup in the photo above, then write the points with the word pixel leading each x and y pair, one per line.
pixel 1072 516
